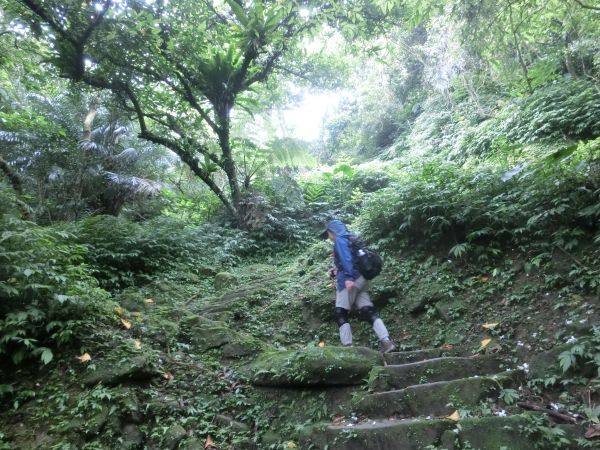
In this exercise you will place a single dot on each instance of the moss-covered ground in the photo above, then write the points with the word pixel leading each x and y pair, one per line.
pixel 168 367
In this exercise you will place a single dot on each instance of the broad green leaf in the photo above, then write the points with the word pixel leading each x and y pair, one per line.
pixel 239 12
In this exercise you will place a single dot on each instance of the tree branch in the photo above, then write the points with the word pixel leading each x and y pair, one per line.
pixel 189 96
pixel 238 78
pixel 583 5
pixel 293 73
pixel 188 159
pixel 97 20
pixel 41 12
pixel 221 19
pixel 550 412
pixel 264 72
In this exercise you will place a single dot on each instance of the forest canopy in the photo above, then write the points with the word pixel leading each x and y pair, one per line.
pixel 167 167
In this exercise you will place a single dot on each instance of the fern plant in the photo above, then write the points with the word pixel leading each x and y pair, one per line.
pixel 47 293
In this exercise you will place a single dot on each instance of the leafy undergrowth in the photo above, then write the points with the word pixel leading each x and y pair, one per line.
pixel 157 357
pixel 196 395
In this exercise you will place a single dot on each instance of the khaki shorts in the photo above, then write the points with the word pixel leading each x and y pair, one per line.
pixel 357 297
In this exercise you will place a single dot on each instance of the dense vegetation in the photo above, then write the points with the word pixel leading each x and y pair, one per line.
pixel 150 192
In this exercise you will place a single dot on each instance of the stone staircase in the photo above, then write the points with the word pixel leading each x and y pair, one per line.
pixel 410 400
pixel 411 397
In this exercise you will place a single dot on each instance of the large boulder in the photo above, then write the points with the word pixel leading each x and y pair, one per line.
pixel 449 309
pixel 309 367
pixel 205 334
pixel 111 373
pixel 424 294
pixel 132 436
pixel 225 280
pixel 240 346
pixel 173 436
pixel 440 369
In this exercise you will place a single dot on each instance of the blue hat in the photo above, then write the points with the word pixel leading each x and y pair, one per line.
pixel 335 226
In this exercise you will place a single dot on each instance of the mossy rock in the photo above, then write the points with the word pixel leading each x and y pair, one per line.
pixel 258 271
pixel 381 435
pixel 423 294
pixel 191 443
pixel 481 433
pixel 241 346
pixel 89 427
pixel 132 408
pixel 434 399
pixel 204 334
pixel 132 436
pixel 173 436
pixel 383 292
pixel 225 280
pixel 131 301
pixel 328 366
pixel 423 354
pixel 110 373
pixel 494 433
pixel 206 271
pixel 224 421
pixel 429 371
pixel 159 332
pixel 546 363
pixel 271 437
pixel 449 310
pixel 234 299
pixel 164 405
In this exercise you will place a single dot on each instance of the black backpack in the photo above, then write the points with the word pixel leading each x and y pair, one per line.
pixel 366 261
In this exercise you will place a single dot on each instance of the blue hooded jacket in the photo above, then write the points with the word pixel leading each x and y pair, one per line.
pixel 342 252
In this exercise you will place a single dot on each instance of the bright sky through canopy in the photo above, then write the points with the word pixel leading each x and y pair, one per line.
pixel 306 119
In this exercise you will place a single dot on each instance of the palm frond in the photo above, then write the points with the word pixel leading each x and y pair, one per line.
pixel 55 173
pixel 129 155
pixel 93 147
pixel 39 98
pixel 10 137
pixel 135 185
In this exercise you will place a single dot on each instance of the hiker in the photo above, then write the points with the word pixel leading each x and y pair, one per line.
pixel 351 289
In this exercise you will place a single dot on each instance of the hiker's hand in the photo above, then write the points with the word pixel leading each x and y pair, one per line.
pixel 349 284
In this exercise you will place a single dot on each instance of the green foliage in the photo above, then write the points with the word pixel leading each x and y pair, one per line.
pixel 567 109
pixel 194 208
pixel 474 212
pixel 583 357
pixel 542 435
pixel 47 292
pixel 121 253
pixel 341 191
pixel 509 396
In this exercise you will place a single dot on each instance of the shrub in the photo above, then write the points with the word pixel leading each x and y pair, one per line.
pixel 122 253
pixel 563 110
pixel 473 212
pixel 47 293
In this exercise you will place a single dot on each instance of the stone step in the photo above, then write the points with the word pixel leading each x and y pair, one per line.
pixel 433 399
pixel 392 377
pixel 421 355
pixel 312 367
pixel 484 433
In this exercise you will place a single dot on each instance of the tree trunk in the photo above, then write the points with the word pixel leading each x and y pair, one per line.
pixel 515 35
pixel 15 182
pixel 88 121
pixel 229 165
pixel 86 138
pixel 14 179
pixel 568 60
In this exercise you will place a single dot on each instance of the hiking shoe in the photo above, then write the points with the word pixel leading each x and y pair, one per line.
pixel 388 346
